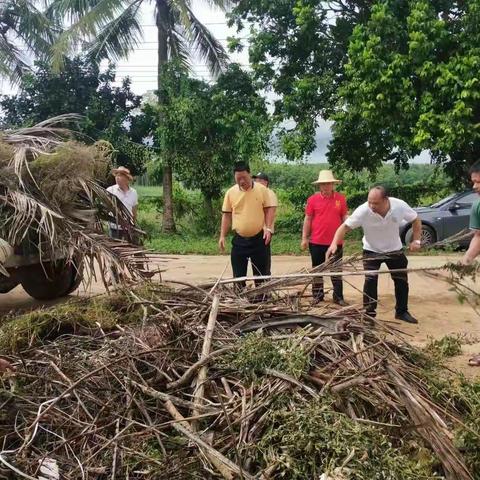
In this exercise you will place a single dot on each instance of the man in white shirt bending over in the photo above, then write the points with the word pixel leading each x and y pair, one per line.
pixel 127 195
pixel 380 219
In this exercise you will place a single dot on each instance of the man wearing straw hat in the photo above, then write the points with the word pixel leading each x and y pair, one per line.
pixel 127 195
pixel 380 218
pixel 325 211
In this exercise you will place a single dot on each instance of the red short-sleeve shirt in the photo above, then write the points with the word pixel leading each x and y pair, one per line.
pixel 327 215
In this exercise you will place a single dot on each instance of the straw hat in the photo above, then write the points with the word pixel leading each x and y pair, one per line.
pixel 123 171
pixel 326 176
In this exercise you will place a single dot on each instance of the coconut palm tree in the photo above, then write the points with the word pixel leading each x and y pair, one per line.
pixel 25 31
pixel 112 29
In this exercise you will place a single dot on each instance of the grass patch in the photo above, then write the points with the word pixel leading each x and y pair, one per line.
pixel 152 191
pixel 282 244
pixel 314 439
pixel 448 346
pixel 257 352
pixel 23 331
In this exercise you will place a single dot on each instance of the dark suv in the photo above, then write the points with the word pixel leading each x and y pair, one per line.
pixel 443 219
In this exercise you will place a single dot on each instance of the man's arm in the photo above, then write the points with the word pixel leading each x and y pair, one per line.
pixel 269 213
pixel 473 249
pixel 307 228
pixel 338 238
pixel 224 228
pixel 134 213
pixel 417 235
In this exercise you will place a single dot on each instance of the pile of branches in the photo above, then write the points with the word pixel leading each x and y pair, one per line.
pixel 204 383
pixel 52 203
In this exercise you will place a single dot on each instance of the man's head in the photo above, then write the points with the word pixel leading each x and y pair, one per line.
pixel 123 177
pixel 262 178
pixel 475 176
pixel 326 182
pixel 242 175
pixel 378 199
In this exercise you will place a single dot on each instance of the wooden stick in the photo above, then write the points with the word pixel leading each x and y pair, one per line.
pixel 207 343
pixel 171 398
pixel 226 467
pixel 188 375
pixel 329 274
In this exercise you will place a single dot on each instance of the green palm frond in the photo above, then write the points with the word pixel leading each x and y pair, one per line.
pixel 23 30
pixel 205 44
pixel 12 61
pixel 120 36
pixel 87 28
pixel 178 47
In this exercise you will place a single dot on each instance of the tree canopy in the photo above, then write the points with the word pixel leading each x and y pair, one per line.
pixel 412 84
pixel 204 128
pixel 297 50
pixel 81 88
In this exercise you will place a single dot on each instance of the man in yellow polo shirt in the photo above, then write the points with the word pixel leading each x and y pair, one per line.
pixel 248 208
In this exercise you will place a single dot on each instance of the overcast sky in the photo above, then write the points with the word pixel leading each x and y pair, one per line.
pixel 141 65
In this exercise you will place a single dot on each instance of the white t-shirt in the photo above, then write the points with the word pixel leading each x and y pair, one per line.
pixel 382 234
pixel 128 198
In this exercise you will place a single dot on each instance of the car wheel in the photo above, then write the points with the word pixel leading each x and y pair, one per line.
pixel 49 281
pixel 428 236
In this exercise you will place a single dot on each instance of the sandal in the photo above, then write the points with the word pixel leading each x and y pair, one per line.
pixel 475 361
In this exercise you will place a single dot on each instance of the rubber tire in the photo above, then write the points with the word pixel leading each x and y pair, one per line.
pixel 77 276
pixel 426 232
pixel 49 281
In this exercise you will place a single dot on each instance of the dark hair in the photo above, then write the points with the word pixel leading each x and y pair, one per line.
pixel 475 168
pixel 241 167
pixel 382 190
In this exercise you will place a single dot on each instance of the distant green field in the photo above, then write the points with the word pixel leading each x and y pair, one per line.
pixel 153 191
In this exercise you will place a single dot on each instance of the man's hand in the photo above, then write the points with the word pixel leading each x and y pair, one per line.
pixel 221 244
pixel 332 250
pixel 304 244
pixel 415 246
pixel 267 235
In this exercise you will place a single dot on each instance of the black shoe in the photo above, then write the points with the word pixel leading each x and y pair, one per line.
pixel 406 317
pixel 341 302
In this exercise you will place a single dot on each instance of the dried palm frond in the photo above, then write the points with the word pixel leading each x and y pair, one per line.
pixel 50 201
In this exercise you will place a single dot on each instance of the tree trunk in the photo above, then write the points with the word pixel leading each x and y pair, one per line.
pixel 168 223
pixel 208 202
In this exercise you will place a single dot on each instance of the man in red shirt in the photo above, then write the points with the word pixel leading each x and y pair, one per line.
pixel 326 210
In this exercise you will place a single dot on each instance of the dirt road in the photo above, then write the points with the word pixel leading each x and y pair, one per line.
pixel 437 309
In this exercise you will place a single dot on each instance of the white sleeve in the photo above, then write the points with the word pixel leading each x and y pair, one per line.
pixel 109 189
pixel 355 220
pixel 409 214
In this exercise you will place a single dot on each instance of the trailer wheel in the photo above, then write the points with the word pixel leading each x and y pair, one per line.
pixel 50 280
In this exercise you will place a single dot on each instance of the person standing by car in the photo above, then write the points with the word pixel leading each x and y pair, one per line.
pixel 325 211
pixel 248 209
pixel 474 249
pixel 127 195
pixel 380 218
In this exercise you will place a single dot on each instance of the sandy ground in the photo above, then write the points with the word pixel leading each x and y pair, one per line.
pixel 437 309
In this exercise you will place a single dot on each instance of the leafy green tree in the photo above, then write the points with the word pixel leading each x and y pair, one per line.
pixel 108 111
pixel 297 50
pixel 412 84
pixel 112 29
pixel 204 129
pixel 24 30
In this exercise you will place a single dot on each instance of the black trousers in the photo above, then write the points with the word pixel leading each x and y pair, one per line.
pixel 318 253
pixel 253 248
pixel 394 261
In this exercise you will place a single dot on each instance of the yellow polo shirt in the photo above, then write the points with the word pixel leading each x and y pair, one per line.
pixel 248 217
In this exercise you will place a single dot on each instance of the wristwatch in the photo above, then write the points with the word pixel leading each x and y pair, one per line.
pixel 268 229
